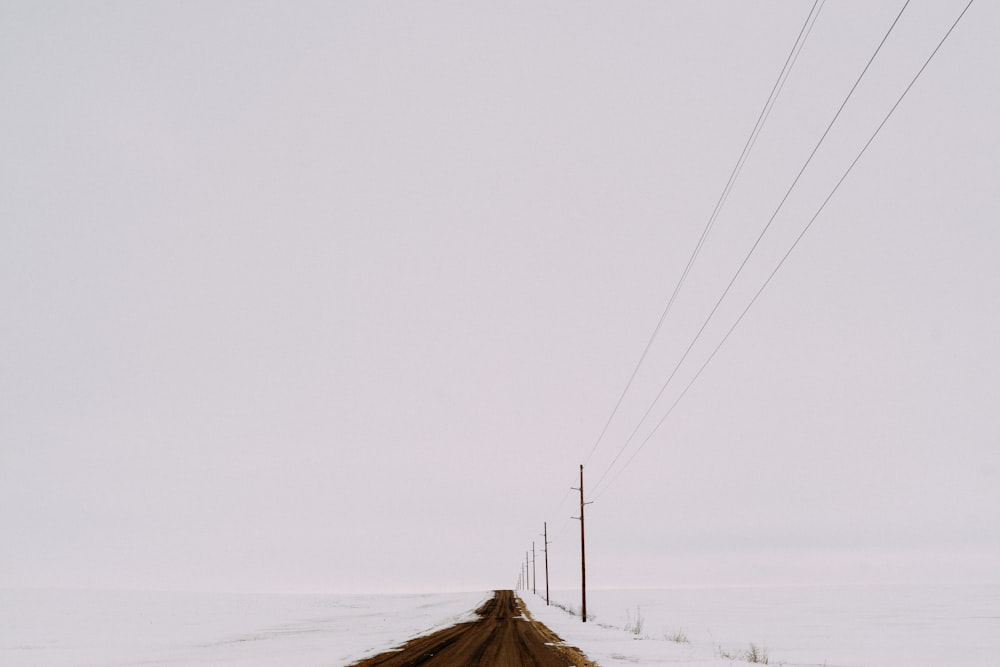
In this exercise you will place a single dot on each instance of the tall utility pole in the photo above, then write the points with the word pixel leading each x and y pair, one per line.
pixel 546 536
pixel 583 552
pixel 527 572
pixel 534 571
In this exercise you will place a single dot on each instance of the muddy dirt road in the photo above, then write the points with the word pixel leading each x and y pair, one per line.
pixel 502 637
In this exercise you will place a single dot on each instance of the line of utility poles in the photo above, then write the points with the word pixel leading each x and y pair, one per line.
pixel 528 577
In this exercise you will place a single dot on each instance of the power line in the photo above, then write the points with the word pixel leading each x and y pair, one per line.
pixel 753 248
pixel 734 174
pixel 776 88
pixel 792 248
pixel 775 92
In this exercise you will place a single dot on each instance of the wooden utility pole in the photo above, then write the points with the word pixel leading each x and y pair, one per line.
pixel 546 535
pixel 534 571
pixel 583 554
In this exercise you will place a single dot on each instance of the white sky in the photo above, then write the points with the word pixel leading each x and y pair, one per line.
pixel 337 296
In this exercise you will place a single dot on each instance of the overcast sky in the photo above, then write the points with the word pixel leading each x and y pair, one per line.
pixel 338 296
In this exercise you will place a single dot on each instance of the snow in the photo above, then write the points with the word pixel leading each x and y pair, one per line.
pixel 104 628
pixel 843 626
pixel 836 626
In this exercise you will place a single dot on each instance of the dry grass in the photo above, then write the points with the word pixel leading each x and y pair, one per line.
pixel 678 637
pixel 754 654
pixel 634 625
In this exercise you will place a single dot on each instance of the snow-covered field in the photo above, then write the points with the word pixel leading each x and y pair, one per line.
pixel 842 626
pixel 104 629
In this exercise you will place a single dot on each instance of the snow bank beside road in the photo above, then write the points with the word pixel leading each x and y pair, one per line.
pixel 608 645
pixel 849 626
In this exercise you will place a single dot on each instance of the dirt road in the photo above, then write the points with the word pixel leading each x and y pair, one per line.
pixel 502 637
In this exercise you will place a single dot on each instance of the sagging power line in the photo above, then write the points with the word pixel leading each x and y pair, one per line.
pixel 762 117
pixel 753 248
pixel 765 112
pixel 794 244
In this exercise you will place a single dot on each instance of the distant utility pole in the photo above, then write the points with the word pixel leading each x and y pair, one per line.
pixel 534 572
pixel 527 572
pixel 546 536
pixel 583 552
